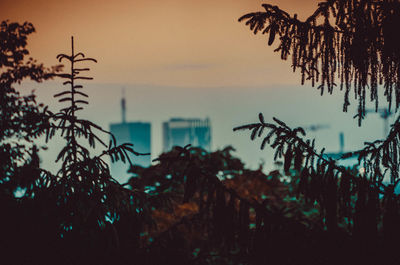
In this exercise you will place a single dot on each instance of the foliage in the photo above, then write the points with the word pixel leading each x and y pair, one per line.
pixel 215 206
pixel 22 119
pixel 85 192
pixel 357 209
pixel 353 43
pixel 194 207
pixel 81 214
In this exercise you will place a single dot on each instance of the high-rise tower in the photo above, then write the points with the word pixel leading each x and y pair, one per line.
pixel 181 132
pixel 136 133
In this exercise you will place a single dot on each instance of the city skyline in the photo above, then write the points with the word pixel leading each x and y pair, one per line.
pixel 176 60
pixel 175 132
pixel 158 104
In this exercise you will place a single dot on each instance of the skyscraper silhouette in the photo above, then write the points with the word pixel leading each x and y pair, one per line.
pixel 136 133
pixel 181 132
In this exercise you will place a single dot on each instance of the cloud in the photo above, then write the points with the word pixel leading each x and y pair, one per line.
pixel 187 66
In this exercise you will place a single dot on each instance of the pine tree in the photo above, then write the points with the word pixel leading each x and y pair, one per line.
pixel 80 215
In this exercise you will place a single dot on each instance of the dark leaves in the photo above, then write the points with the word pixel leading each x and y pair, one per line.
pixel 298 158
pixel 272 32
pixel 288 159
pixel 359 49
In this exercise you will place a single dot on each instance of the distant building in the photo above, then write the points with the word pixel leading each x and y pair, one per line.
pixel 136 133
pixel 181 132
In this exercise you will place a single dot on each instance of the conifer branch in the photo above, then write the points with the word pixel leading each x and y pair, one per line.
pixel 353 42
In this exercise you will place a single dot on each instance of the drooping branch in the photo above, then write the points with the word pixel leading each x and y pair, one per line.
pixel 352 43
pixel 382 155
pixel 335 188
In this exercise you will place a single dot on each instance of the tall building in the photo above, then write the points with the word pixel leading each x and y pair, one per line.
pixel 136 133
pixel 181 132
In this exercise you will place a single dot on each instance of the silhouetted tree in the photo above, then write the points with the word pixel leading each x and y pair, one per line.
pixel 208 207
pixel 22 121
pixel 81 214
pixel 353 43
pixel 357 212
pixel 206 221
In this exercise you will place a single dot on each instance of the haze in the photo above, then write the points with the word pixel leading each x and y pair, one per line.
pixel 181 58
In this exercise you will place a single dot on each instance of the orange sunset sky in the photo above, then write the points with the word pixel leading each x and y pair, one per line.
pixel 158 42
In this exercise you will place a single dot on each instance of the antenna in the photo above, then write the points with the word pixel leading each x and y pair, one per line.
pixel 123 106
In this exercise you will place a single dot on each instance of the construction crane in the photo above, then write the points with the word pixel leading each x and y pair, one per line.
pixel 339 154
pixel 384 114
pixel 316 127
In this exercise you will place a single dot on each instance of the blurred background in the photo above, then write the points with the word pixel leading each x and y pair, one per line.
pixel 185 59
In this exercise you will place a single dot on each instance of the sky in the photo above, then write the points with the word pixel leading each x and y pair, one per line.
pixel 184 58
pixel 160 42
